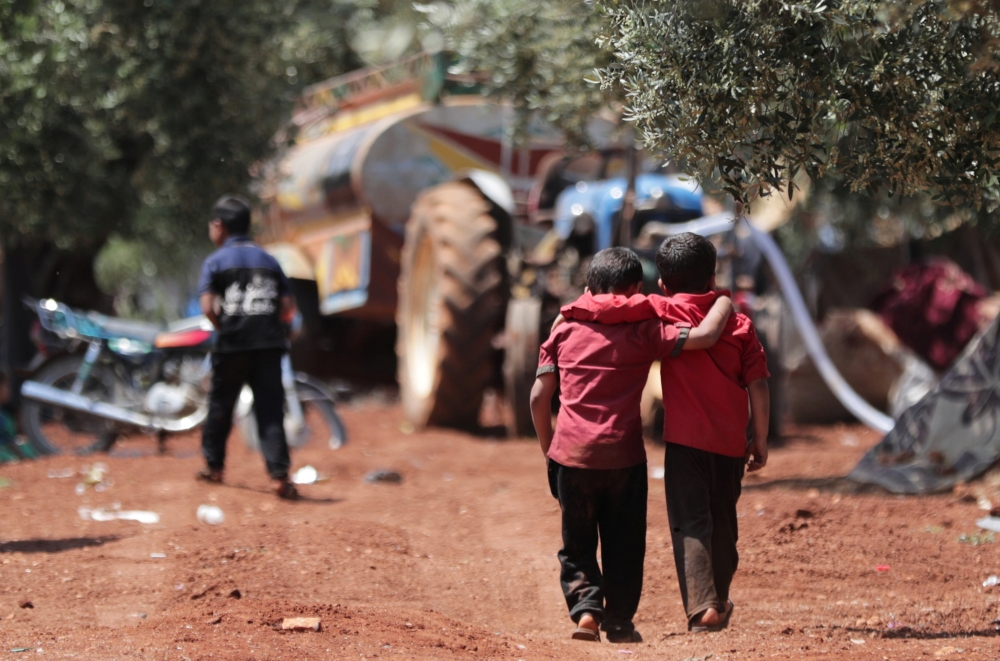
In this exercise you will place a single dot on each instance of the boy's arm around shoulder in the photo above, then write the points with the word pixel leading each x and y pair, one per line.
pixel 711 327
pixel 611 308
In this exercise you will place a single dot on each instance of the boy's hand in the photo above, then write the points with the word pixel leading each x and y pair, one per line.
pixel 559 320
pixel 756 455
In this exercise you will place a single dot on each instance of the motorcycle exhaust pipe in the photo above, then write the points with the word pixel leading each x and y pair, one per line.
pixel 41 392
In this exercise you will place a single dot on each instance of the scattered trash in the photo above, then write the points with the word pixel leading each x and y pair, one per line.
pixel 94 476
pixel 157 555
pixel 657 472
pixel 15 650
pixel 141 516
pixel 383 475
pixel 61 473
pixel 522 647
pixel 883 568
pixel 976 539
pixel 300 624
pixel 991 581
pixel 103 514
pixel 307 475
pixel 989 523
pixel 214 620
pixel 984 504
pixel 858 641
pixel 26 603
pixel 210 514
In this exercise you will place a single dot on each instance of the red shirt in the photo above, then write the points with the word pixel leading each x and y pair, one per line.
pixel 705 401
pixel 602 371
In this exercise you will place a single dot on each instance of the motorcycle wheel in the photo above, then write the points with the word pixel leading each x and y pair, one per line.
pixel 318 411
pixel 55 430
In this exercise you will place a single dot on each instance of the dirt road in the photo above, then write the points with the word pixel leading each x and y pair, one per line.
pixel 458 560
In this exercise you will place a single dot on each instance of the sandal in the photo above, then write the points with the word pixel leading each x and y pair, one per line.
pixel 209 475
pixel 583 633
pixel 286 491
pixel 723 623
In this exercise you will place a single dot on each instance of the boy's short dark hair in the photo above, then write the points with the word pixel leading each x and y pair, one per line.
pixel 234 212
pixel 686 263
pixel 613 271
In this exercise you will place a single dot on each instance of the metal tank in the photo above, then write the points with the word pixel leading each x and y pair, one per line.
pixel 400 198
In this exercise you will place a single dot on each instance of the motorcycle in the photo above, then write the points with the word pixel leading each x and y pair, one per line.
pixel 136 377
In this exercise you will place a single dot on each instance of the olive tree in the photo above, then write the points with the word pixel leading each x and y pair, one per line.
pixel 129 117
pixel 891 96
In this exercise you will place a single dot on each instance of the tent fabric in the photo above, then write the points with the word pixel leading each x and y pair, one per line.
pixel 933 308
pixel 951 435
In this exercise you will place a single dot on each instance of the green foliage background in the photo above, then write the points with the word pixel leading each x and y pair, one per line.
pixel 127 118
pixel 887 95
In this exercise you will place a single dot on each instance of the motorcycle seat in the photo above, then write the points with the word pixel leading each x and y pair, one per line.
pixel 184 339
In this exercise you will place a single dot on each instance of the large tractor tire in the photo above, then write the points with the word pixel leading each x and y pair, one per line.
pixel 522 331
pixel 452 297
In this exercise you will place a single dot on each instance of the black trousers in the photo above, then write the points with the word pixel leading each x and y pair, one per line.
pixel 702 490
pixel 610 506
pixel 261 369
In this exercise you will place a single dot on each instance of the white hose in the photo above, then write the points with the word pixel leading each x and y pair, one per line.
pixel 861 409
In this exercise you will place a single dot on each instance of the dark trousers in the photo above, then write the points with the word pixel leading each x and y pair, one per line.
pixel 609 505
pixel 261 369
pixel 702 490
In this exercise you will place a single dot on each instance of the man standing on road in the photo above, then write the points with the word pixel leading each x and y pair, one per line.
pixel 247 297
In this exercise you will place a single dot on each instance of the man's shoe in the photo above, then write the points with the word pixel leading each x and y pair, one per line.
pixel 209 475
pixel 286 490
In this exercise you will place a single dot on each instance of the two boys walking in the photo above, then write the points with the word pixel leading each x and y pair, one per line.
pixel 599 359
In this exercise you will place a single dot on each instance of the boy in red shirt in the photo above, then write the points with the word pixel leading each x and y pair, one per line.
pixel 597 460
pixel 705 398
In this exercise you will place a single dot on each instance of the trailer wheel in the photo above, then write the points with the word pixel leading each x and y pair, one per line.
pixel 452 295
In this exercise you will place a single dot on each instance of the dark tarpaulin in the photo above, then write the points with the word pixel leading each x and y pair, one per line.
pixel 951 435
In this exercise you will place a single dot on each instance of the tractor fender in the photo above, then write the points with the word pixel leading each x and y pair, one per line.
pixel 491 186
